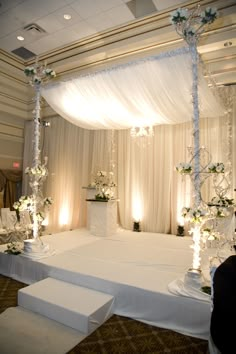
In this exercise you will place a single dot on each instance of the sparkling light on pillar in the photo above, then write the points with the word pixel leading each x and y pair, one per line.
pixel 37 204
pixel 190 25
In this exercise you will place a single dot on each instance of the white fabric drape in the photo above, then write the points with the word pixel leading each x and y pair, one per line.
pixel 151 91
pixel 149 188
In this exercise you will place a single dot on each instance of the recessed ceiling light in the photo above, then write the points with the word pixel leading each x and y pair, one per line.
pixel 20 38
pixel 67 16
pixel 228 44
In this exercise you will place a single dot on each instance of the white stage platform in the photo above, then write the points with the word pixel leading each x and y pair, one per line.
pixel 136 268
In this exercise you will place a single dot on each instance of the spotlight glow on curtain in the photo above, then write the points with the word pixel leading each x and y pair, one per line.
pixel 64 215
pixel 151 91
pixel 137 208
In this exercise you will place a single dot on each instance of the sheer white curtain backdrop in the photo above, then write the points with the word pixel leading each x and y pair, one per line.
pixel 148 186
pixel 150 91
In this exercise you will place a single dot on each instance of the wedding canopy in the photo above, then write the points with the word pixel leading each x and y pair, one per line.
pixel 151 91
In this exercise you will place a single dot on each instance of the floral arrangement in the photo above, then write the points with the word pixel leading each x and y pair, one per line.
pixel 194 215
pixel 104 182
pixel 14 248
pixel 179 16
pixel 219 212
pixel 47 201
pixel 184 168
pixel 30 71
pixel 37 73
pixel 209 15
pixel 49 72
pixel 27 203
pixel 223 202
pixel 205 17
pixel 217 167
pixel 210 234
pixel 190 24
pixel 24 203
pixel 39 170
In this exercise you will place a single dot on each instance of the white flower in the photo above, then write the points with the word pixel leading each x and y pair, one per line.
pixel 37 80
pixel 179 15
pixel 193 215
pixel 217 167
pixel 184 168
pixel 40 216
pixel 39 170
pixel 208 15
pixel 48 201
pixel 211 166
pixel 14 248
pixel 30 71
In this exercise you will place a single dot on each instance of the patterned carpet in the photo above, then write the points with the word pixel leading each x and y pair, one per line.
pixel 119 335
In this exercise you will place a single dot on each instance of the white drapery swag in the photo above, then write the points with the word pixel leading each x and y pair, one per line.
pixel 151 91
pixel 144 175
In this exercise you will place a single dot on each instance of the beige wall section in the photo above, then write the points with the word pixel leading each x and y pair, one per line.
pixel 14 90
pixel 14 102
pixel 11 141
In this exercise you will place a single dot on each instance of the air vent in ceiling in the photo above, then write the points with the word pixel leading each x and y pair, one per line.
pixel 34 29
pixel 23 53
pixel 141 8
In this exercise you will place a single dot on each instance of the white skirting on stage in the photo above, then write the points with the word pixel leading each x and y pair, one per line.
pixel 136 268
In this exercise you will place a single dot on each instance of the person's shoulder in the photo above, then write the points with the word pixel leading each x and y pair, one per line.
pixel 229 265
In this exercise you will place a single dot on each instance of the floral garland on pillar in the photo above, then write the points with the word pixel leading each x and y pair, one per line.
pixel 36 204
pixel 190 25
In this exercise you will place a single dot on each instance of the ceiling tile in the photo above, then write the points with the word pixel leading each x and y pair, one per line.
pixel 86 8
pixel 106 5
pixel 50 23
pixel 8 24
pixel 100 22
pixel 57 39
pixel 9 4
pixel 161 5
pixel 120 14
pixel 68 2
pixel 83 29
pixel 11 42
pixel 75 17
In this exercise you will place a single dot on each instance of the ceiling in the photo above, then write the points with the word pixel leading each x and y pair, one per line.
pixel 42 24
pixel 44 28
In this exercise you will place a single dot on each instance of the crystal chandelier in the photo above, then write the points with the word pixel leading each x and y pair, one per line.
pixel 142 132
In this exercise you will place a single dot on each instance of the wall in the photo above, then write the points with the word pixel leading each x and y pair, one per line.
pixel 14 103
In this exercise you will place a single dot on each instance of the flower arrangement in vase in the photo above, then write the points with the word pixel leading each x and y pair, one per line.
pixel 104 183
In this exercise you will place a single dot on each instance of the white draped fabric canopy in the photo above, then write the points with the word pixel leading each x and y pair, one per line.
pixel 151 91
pixel 155 90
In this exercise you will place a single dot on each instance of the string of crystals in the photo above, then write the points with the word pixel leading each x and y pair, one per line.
pixel 142 136
pixel 36 203
pixel 142 132
pixel 190 25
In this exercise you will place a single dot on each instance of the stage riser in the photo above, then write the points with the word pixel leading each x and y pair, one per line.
pixel 74 306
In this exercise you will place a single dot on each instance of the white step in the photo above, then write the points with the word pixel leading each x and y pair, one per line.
pixel 74 306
